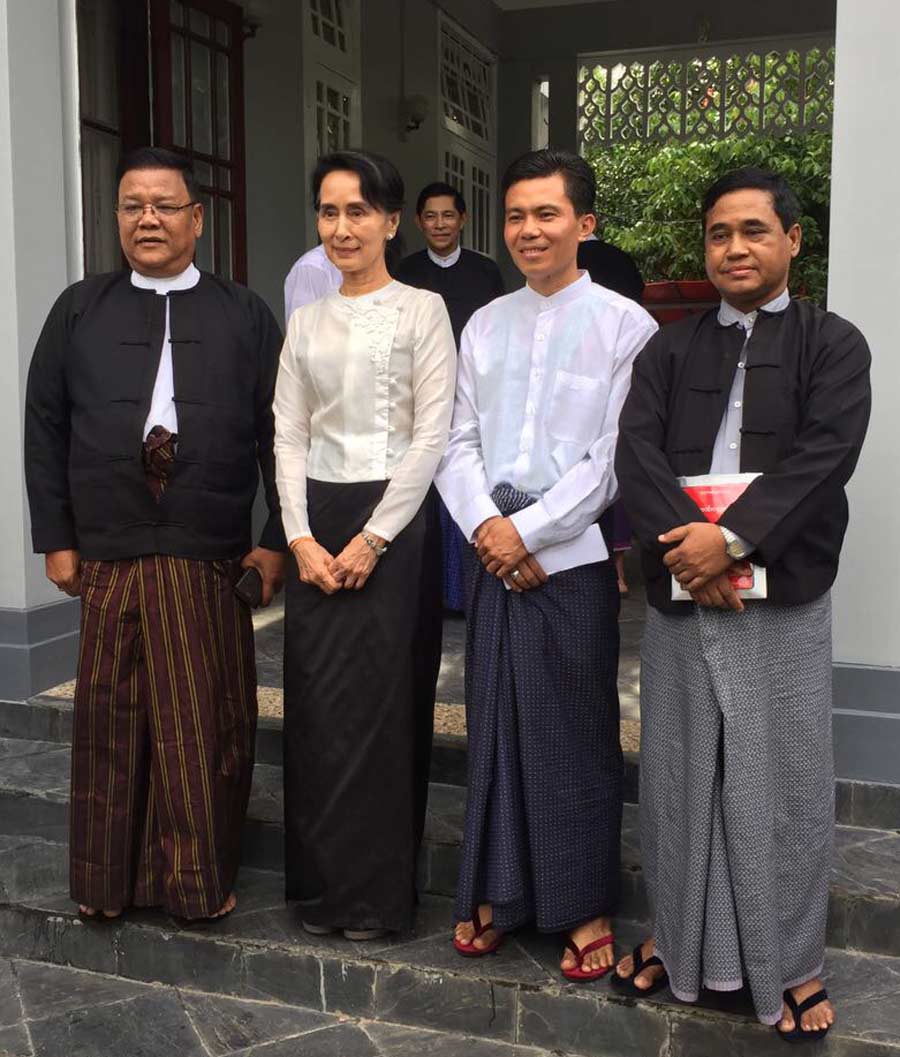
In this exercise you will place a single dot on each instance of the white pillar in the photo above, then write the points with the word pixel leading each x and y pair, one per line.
pixel 37 638
pixel 864 287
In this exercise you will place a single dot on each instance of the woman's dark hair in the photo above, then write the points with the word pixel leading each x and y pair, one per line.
pixel 750 178
pixel 578 176
pixel 157 158
pixel 380 183
pixel 440 190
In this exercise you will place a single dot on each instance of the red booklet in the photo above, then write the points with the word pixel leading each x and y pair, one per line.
pixel 714 493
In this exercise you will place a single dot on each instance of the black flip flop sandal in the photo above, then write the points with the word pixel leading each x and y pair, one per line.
pixel 626 984
pixel 797 1011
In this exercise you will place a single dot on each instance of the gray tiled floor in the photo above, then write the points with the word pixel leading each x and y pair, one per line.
pixel 50 1011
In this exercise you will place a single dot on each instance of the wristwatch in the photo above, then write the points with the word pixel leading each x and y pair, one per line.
pixel 734 546
pixel 370 541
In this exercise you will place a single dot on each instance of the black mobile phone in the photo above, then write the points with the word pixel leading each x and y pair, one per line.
pixel 248 588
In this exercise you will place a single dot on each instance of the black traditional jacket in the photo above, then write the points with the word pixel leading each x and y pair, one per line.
pixel 806 409
pixel 89 390
pixel 466 286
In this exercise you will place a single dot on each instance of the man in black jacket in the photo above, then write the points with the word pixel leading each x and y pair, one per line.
pixel 148 411
pixel 737 783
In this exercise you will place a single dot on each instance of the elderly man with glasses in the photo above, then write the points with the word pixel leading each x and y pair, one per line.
pixel 148 421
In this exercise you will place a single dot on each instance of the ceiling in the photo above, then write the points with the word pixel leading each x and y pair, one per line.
pixel 520 5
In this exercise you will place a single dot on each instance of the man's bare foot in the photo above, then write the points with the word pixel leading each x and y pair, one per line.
pixel 602 958
pixel 92 912
pixel 644 979
pixel 620 572
pixel 226 908
pixel 465 930
pixel 818 1018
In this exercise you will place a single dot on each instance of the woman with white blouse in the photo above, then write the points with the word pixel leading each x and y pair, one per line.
pixel 362 414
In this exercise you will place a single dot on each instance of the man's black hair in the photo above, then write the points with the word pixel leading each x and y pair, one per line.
pixel 157 158
pixel 379 182
pixel 578 176
pixel 440 190
pixel 750 178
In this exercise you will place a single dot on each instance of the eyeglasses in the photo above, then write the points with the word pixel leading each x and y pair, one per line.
pixel 134 210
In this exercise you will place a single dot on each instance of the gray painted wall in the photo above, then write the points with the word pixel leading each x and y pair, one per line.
pixel 36 631
pixel 276 180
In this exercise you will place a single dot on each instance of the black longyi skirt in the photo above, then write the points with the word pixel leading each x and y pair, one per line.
pixel 360 669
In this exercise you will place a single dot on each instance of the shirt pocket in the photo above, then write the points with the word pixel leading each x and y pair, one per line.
pixel 577 406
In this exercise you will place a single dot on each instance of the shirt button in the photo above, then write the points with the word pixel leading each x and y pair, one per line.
pixel 732 446
pixel 540 337
pixel 390 451
pixel 737 403
pixel 742 365
pixel 529 408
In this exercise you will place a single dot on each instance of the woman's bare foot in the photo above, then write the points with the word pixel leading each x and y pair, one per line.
pixel 644 979
pixel 816 1019
pixel 465 930
pixel 226 908
pixel 602 958
pixel 92 912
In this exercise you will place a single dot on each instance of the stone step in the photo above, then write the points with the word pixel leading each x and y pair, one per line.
pixel 865 886
pixel 57 1010
pixel 249 974
pixel 861 804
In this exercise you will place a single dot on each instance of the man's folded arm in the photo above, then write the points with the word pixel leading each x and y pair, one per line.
pixel 653 499
pixel 779 505
pixel 582 494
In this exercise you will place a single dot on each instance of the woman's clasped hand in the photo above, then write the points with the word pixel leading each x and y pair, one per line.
pixel 350 569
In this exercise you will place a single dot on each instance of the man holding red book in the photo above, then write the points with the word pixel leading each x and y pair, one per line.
pixel 737 785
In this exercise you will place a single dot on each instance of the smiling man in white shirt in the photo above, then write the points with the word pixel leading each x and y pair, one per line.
pixel 528 473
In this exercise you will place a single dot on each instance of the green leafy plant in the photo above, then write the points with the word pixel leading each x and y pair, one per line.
pixel 649 195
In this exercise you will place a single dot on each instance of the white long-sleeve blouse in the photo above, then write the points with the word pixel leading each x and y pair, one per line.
pixel 364 393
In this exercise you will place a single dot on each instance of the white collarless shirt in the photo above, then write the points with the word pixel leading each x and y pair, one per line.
pixel 726 457
pixel 311 277
pixel 541 384
pixel 449 260
pixel 162 403
pixel 364 393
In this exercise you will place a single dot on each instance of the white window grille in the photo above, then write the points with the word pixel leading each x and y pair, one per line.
pixel 333 117
pixel 467 87
pixel 329 22
pixel 473 176
pixel 751 88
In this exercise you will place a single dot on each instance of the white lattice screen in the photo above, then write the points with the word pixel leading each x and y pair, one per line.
pixel 706 92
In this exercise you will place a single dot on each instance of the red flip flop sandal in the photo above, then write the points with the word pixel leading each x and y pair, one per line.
pixel 469 950
pixel 580 952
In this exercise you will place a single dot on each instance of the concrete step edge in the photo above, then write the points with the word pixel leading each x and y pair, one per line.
pixel 590 1021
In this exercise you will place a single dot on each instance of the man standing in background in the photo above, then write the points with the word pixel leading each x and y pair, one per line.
pixel 465 280
pixel 311 277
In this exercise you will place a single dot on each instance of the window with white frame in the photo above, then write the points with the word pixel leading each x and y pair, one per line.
pixel 334 126
pixel 331 81
pixel 467 86
pixel 468 153
pixel 330 22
